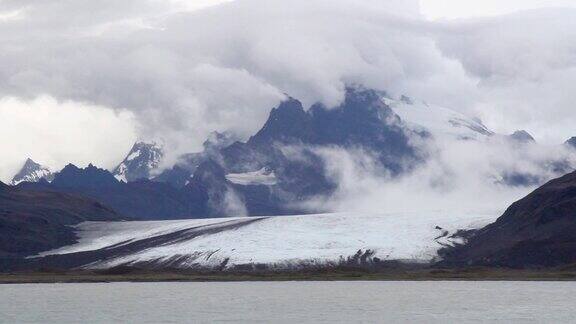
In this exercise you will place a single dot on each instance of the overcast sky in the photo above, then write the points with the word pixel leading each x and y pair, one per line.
pixel 81 80
pixel 450 9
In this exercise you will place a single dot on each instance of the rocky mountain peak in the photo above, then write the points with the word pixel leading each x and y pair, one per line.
pixel 142 159
pixel 73 177
pixel 522 136
pixel 32 172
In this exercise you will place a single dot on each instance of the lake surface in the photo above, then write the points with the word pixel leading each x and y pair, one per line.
pixel 290 302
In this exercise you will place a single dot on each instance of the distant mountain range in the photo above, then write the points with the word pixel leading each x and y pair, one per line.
pixel 281 166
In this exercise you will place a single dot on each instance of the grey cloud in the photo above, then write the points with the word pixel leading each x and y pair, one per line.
pixel 185 74
pixel 525 64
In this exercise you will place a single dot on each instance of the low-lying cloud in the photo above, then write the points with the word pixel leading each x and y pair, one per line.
pixel 183 74
pixel 460 176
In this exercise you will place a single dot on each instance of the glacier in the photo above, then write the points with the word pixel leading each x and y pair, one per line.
pixel 280 241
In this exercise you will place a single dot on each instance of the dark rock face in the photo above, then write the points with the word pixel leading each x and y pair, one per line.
pixel 142 159
pixel 32 172
pixel 178 176
pixel 207 194
pixel 571 142
pixel 287 145
pixel 36 221
pixel 537 231
pixel 142 199
pixel 90 177
pixel 362 121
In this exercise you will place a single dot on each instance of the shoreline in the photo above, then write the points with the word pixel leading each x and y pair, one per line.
pixel 167 276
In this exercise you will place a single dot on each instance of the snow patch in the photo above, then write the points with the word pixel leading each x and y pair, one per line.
pixel 437 120
pixel 260 177
pixel 133 155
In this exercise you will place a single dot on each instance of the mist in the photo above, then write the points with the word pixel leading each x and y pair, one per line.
pixel 160 70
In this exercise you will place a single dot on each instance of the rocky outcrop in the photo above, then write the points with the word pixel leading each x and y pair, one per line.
pixel 537 231
pixel 36 221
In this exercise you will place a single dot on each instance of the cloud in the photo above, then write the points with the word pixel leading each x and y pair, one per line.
pixel 183 73
pixel 56 133
pixel 436 9
pixel 525 65
pixel 460 176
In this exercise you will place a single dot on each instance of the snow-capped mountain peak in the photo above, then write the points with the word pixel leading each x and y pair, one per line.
pixel 32 172
pixel 140 161
pixel 439 121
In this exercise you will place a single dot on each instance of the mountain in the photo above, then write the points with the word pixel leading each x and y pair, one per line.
pixel 141 199
pixel 181 173
pixel 32 172
pixel 90 177
pixel 208 194
pixel 276 169
pixel 522 136
pixel 285 165
pixel 438 121
pixel 35 221
pixel 290 142
pixel 142 159
pixel 571 142
pixel 537 231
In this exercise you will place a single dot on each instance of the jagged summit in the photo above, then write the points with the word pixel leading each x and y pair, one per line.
pixel 73 177
pixel 522 136
pixel 286 122
pixel 142 159
pixel 362 119
pixel 32 172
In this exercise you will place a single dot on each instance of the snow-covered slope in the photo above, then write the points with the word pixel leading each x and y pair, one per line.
pixel 275 241
pixel 437 120
pixel 260 177
pixel 32 172
pixel 142 159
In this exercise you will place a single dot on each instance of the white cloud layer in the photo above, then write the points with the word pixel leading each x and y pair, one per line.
pixel 183 73
pixel 54 133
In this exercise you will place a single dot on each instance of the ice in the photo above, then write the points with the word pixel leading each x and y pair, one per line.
pixel 285 240
pixel 437 120
pixel 260 177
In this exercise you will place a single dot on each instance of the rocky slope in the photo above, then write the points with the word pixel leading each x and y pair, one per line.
pixel 35 221
pixel 537 231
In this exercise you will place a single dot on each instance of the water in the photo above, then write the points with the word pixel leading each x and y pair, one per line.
pixel 290 302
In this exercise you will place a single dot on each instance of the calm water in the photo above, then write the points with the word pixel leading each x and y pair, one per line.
pixel 289 302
